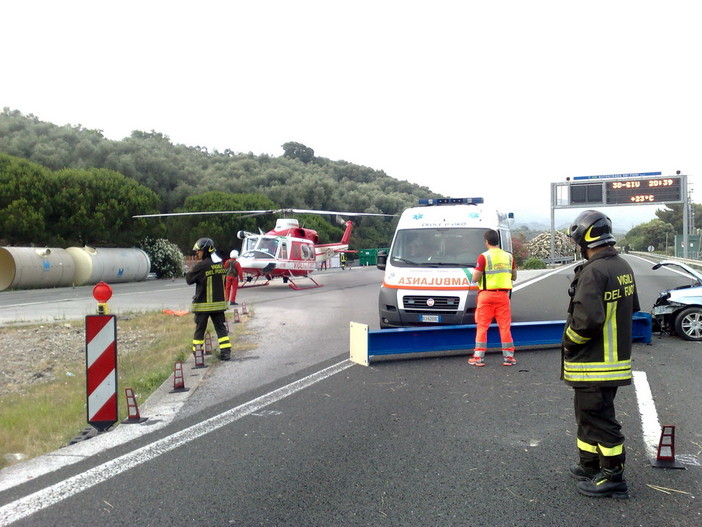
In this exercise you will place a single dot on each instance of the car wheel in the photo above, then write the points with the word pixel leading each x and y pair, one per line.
pixel 688 323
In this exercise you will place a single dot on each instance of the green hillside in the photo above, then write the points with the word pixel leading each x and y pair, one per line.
pixel 109 181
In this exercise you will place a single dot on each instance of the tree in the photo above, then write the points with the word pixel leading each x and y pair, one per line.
pixel 222 228
pixel 24 201
pixel 674 215
pixel 519 248
pixel 96 206
pixel 298 151
pixel 652 233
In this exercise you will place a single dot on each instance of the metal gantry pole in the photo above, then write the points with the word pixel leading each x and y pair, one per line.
pixel 686 226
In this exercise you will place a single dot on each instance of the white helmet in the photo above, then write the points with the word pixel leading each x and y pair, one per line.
pixel 234 254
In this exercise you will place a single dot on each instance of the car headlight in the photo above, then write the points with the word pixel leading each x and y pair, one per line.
pixel 662 299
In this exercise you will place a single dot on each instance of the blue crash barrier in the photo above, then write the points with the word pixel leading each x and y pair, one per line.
pixel 368 344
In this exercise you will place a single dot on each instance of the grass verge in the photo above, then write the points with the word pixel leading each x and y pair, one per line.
pixel 45 417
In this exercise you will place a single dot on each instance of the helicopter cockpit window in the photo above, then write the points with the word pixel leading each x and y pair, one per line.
pixel 439 247
pixel 267 245
pixel 248 245
pixel 283 250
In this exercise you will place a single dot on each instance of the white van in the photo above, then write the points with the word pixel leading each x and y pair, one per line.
pixel 428 271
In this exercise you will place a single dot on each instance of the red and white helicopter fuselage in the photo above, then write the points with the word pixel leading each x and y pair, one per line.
pixel 288 251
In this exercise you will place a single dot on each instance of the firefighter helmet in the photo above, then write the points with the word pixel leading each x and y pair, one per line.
pixel 591 229
pixel 204 244
pixel 234 254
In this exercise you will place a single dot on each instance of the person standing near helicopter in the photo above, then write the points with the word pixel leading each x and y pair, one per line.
pixel 234 276
pixel 209 302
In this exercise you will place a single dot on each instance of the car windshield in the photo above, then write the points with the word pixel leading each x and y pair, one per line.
pixel 437 247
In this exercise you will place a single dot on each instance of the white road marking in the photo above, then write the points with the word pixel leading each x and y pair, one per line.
pixel 49 496
pixel 649 416
pixel 530 281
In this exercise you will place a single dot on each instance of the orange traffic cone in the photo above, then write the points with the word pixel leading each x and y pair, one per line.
pixel 199 357
pixel 665 457
pixel 178 380
pixel 208 343
pixel 133 416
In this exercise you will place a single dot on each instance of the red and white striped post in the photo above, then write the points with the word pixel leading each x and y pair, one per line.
pixel 101 363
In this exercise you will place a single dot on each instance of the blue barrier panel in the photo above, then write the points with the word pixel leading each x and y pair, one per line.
pixel 642 327
pixel 451 338
pixel 366 343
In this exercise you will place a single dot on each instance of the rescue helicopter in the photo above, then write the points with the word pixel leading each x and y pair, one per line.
pixel 288 251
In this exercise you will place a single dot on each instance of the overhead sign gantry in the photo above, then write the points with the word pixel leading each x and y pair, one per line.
pixel 643 188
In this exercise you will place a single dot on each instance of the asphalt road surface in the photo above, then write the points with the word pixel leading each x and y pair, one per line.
pixel 292 433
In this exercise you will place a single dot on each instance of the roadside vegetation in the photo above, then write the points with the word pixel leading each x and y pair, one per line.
pixel 68 185
pixel 44 416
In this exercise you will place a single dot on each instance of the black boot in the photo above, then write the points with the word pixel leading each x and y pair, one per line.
pixel 608 483
pixel 582 472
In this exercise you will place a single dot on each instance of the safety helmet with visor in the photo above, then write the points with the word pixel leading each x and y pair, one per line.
pixel 204 244
pixel 591 229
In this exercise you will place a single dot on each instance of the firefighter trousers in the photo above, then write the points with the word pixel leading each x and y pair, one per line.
pixel 600 439
pixel 220 325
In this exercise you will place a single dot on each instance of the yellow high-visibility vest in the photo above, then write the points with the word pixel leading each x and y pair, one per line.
pixel 498 270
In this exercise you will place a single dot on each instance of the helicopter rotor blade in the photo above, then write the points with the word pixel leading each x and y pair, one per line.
pixel 332 212
pixel 252 213
pixel 204 212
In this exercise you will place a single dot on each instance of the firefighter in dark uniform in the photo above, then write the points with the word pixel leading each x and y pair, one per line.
pixel 209 301
pixel 596 353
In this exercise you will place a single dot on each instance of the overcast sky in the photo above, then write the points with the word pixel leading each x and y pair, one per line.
pixel 469 98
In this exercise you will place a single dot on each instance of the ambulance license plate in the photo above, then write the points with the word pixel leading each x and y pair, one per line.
pixel 430 318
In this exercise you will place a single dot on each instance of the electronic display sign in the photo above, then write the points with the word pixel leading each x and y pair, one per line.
pixel 626 189
pixel 666 189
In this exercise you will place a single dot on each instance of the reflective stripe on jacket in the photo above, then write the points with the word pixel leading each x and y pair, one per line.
pixel 498 270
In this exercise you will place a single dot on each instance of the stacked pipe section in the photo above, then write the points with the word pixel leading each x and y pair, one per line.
pixel 32 268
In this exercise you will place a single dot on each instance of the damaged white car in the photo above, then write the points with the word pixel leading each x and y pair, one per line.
pixel 678 311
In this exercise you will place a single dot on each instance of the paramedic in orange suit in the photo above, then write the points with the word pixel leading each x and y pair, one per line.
pixel 234 276
pixel 494 273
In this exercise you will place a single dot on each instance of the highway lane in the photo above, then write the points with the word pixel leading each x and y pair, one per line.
pixel 400 443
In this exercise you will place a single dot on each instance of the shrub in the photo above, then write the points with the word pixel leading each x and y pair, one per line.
pixel 166 258
pixel 534 263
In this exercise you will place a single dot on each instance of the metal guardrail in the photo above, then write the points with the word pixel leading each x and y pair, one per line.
pixel 655 256
pixel 558 260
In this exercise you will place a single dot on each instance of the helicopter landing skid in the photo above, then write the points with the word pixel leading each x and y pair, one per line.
pixel 296 287
pixel 254 282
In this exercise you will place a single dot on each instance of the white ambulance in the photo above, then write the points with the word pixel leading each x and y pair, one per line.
pixel 428 271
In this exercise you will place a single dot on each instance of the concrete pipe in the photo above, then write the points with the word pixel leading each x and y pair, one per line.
pixel 32 268
pixel 109 265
